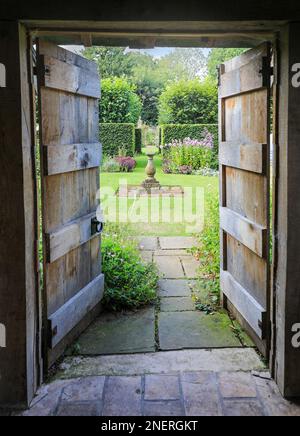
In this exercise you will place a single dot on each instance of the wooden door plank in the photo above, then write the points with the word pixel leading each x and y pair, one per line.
pixel 248 269
pixel 69 158
pixel 69 237
pixel 247 306
pixel 245 79
pixel 245 231
pixel 246 194
pixel 248 157
pixel 70 314
pixel 62 76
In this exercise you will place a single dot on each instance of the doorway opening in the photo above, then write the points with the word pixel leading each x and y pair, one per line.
pixel 187 314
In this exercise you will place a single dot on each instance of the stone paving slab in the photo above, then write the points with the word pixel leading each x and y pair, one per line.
pixel 179 253
pixel 79 409
pixel 163 408
pixel 147 256
pixel 177 243
pixel 175 288
pixel 200 391
pixel 243 408
pixel 148 244
pixel 167 362
pixel 120 333
pixel 123 397
pixel 84 389
pixel 161 387
pixel 183 330
pixel 237 385
pixel 200 394
pixel 190 266
pixel 169 267
pixel 177 304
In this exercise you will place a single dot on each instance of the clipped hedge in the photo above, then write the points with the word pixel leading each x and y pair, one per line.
pixel 116 136
pixel 172 132
pixel 138 140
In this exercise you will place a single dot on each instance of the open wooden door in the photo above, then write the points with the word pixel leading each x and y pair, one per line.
pixel 244 108
pixel 69 90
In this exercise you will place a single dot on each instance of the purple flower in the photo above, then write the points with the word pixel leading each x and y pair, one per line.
pixel 206 142
pixel 127 164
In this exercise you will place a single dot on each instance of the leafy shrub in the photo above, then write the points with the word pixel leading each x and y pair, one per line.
pixel 138 140
pixel 209 247
pixel 119 103
pixel 130 283
pixel 126 164
pixel 110 166
pixel 178 132
pixel 115 136
pixel 189 102
pixel 189 155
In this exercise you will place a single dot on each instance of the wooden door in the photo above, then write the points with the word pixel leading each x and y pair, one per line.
pixel 69 92
pixel 244 108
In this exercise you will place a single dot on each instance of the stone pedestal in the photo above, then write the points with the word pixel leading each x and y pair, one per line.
pixel 151 183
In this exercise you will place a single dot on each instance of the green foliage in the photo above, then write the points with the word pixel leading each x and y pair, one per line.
pixel 111 61
pixel 138 140
pixel 194 158
pixel 110 165
pixel 130 283
pixel 219 55
pixel 189 102
pixel 209 239
pixel 173 132
pixel 116 136
pixel 119 103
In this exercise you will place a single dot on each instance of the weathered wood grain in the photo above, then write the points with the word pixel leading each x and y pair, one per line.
pixel 59 160
pixel 248 307
pixel 70 181
pixel 245 231
pixel 62 76
pixel 69 237
pixel 244 101
pixel 248 157
pixel 70 314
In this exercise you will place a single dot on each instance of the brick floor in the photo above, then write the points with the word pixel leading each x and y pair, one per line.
pixel 202 393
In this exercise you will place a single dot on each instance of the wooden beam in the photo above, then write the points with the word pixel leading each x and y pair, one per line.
pixel 69 158
pixel 248 157
pixel 18 272
pixel 69 237
pixel 56 74
pixel 245 231
pixel 68 316
pixel 247 306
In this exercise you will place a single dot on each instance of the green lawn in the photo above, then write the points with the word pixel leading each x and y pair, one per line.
pixel 166 222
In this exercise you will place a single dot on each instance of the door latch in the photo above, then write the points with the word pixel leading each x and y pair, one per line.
pixel 96 227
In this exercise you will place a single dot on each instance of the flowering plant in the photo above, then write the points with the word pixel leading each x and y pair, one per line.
pixel 189 155
pixel 127 164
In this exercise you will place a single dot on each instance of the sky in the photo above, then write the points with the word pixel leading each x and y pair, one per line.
pixel 157 52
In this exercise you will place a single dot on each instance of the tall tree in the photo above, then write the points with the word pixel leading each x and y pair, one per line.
pixel 112 61
pixel 184 64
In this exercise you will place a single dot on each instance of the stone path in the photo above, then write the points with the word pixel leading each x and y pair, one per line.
pixel 202 393
pixel 176 325
pixel 210 380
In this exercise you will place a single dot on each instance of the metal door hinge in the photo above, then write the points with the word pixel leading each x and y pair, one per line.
pixel 267 71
